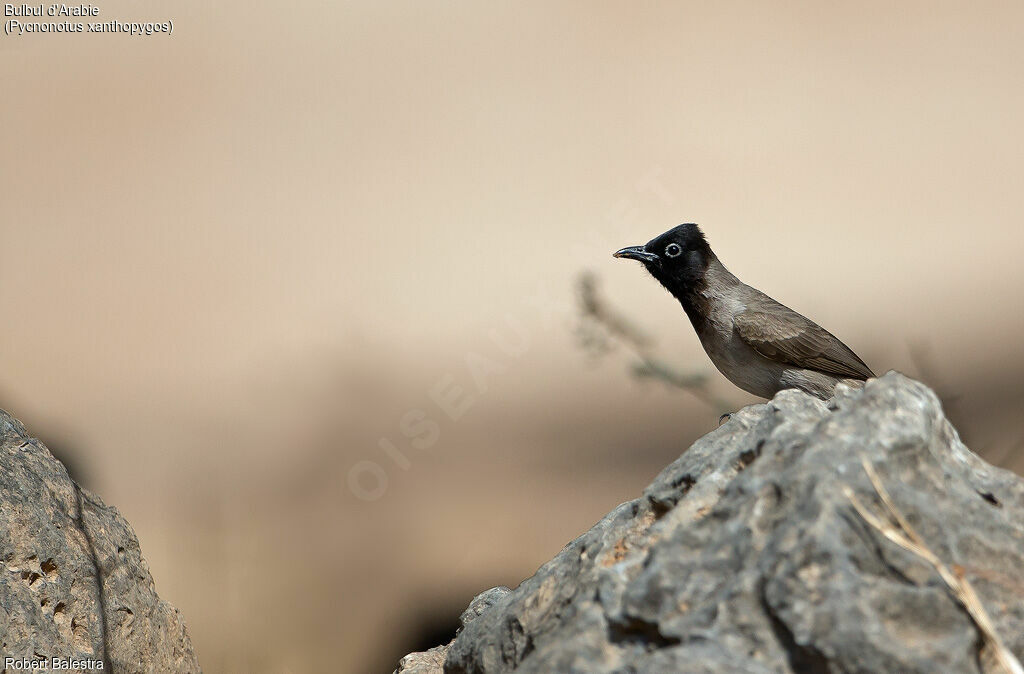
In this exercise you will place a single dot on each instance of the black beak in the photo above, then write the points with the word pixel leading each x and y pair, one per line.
pixel 636 253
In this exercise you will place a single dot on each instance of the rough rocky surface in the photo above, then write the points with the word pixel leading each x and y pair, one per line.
pixel 73 583
pixel 745 555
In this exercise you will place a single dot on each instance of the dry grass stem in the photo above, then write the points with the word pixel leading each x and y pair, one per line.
pixel 898 530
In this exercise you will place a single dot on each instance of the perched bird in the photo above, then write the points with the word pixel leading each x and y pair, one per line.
pixel 759 344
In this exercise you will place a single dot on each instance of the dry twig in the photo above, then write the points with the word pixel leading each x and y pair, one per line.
pixel 616 326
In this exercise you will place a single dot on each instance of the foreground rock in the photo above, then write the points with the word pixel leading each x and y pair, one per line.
pixel 745 555
pixel 73 584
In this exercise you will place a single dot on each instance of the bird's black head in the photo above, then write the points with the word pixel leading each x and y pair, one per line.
pixel 677 258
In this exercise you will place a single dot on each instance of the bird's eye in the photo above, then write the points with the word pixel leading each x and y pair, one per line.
pixel 673 250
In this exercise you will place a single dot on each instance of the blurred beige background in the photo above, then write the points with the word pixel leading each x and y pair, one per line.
pixel 234 259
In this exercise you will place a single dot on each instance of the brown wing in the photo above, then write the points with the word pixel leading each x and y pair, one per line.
pixel 778 333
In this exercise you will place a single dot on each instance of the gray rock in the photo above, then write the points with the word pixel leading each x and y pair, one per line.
pixel 745 555
pixel 73 583
pixel 425 662
pixel 482 603
pixel 432 661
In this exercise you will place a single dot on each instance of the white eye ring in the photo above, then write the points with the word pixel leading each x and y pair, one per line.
pixel 673 250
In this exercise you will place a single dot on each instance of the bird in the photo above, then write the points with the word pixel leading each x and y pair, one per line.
pixel 759 344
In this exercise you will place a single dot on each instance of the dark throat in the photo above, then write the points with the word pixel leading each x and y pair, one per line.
pixel 688 284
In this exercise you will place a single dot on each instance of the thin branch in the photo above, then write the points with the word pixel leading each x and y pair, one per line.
pixel 623 331
pixel 594 306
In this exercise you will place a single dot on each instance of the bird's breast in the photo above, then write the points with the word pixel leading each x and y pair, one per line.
pixel 733 357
